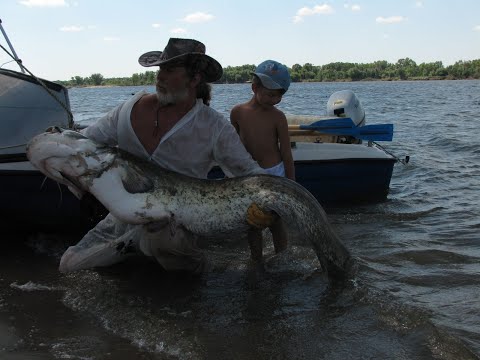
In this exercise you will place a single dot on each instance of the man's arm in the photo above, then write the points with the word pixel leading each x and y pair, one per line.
pixel 234 114
pixel 231 155
pixel 104 130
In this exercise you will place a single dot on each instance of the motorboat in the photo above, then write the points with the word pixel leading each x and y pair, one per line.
pixel 338 157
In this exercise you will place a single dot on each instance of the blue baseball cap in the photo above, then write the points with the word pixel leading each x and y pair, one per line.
pixel 273 75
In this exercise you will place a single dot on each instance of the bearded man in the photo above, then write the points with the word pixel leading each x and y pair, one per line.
pixel 176 129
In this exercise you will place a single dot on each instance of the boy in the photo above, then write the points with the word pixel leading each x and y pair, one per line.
pixel 263 130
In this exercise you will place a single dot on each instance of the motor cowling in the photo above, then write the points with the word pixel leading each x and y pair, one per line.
pixel 346 104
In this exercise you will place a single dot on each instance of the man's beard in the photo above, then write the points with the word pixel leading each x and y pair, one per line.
pixel 172 97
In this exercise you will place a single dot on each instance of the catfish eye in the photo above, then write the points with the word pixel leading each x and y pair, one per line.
pixel 53 129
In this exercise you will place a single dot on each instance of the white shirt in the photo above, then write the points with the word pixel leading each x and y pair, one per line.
pixel 201 139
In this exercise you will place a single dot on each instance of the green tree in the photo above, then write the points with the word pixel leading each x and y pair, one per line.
pixel 77 81
pixel 96 79
pixel 403 69
pixel 406 68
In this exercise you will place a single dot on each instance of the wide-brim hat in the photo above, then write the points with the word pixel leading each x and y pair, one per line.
pixel 180 49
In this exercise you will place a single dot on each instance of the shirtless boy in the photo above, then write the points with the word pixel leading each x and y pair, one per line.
pixel 263 130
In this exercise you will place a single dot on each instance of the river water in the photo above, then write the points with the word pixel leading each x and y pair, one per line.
pixel 416 295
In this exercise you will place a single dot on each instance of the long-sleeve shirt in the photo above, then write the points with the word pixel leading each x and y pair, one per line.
pixel 202 139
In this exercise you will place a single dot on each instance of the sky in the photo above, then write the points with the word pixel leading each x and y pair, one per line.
pixel 60 39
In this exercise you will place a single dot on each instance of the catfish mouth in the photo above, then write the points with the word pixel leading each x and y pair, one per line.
pixel 65 156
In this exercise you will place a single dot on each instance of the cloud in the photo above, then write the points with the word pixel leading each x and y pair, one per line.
pixel 390 19
pixel 352 7
pixel 72 28
pixel 323 9
pixel 198 17
pixel 156 26
pixel 476 28
pixel 75 28
pixel 178 31
pixel 43 3
pixel 419 4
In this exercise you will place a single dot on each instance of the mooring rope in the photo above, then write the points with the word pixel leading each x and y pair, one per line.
pixel 403 161
pixel 45 87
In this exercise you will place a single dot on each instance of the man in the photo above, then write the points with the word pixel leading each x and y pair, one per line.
pixel 176 129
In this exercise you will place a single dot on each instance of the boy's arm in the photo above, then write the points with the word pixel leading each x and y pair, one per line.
pixel 285 148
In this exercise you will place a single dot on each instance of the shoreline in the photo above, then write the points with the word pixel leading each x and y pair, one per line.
pixel 293 82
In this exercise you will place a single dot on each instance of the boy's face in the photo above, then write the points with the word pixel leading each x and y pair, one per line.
pixel 269 97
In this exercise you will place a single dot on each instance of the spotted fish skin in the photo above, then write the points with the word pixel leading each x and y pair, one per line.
pixel 138 192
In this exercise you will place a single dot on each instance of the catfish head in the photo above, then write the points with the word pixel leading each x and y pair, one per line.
pixel 70 158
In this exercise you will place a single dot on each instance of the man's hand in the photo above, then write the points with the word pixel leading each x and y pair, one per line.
pixel 259 218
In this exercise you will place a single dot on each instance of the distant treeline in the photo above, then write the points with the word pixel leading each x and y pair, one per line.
pixel 403 69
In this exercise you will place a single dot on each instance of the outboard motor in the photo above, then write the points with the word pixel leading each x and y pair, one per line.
pixel 346 104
